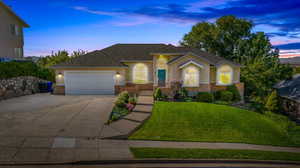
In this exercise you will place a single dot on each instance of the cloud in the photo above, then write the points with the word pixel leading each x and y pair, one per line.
pixel 282 15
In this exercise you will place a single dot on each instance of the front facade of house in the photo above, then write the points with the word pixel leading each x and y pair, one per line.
pixel 11 33
pixel 136 67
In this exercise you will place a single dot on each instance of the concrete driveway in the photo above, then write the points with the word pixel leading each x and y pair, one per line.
pixel 44 127
pixel 45 115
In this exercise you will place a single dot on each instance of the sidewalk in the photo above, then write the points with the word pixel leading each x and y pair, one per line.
pixel 205 145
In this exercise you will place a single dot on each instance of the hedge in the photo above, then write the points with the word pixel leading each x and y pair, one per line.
pixel 16 69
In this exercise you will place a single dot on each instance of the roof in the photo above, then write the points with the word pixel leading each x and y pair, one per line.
pixel 290 61
pixel 116 54
pixel 9 10
pixel 289 89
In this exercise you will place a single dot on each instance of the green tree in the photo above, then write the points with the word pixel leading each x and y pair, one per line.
pixel 272 102
pixel 221 38
pixel 231 38
pixel 59 57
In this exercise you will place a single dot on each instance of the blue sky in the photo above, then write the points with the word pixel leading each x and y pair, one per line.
pixel 95 24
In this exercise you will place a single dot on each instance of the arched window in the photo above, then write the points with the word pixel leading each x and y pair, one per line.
pixel 191 76
pixel 140 73
pixel 224 75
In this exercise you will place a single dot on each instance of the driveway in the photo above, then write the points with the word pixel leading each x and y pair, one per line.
pixel 46 127
pixel 44 115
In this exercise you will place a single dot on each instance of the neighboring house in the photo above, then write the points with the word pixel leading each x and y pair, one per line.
pixel 11 33
pixel 289 91
pixel 136 67
pixel 293 61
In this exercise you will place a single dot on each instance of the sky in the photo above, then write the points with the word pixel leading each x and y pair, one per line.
pixel 94 24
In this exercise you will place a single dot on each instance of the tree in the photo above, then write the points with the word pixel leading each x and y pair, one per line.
pixel 221 38
pixel 231 38
pixel 59 57
pixel 272 102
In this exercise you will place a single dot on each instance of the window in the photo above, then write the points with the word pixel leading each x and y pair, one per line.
pixel 14 30
pixel 191 76
pixel 140 73
pixel 19 52
pixel 224 75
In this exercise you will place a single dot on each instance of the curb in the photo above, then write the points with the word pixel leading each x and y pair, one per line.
pixel 156 161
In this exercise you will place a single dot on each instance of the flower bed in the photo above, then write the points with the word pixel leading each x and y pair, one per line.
pixel 123 106
pixel 228 96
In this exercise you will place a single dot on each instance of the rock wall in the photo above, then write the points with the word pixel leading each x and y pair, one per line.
pixel 291 108
pixel 19 86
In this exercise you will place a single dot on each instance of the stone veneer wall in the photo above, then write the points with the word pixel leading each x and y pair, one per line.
pixel 19 86
pixel 291 108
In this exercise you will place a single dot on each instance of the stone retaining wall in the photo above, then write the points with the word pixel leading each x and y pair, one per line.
pixel 19 86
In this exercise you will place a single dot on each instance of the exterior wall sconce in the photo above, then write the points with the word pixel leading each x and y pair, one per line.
pixel 59 75
pixel 118 75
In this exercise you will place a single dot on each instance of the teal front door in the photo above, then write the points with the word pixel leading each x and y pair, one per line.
pixel 161 73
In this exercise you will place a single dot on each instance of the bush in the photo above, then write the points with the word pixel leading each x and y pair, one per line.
pixel 158 94
pixel 132 100
pixel 226 96
pixel 181 94
pixel 122 99
pixel 16 69
pixel 272 103
pixel 236 94
pixel 205 97
pixel 118 112
pixel 124 96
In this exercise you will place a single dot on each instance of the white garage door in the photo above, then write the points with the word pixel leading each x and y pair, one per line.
pixel 89 82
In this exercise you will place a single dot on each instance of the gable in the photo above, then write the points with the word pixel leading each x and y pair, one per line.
pixel 12 14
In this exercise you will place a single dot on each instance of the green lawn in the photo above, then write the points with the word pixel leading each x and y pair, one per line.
pixel 203 122
pixel 212 154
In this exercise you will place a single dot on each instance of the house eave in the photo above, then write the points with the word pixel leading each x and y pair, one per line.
pixel 15 15
pixel 136 61
pixel 84 67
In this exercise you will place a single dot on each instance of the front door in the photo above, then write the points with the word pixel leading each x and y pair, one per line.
pixel 161 77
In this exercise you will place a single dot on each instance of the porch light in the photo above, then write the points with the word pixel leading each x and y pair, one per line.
pixel 118 75
pixel 59 75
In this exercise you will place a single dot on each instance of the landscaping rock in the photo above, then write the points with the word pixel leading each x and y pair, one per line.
pixel 19 86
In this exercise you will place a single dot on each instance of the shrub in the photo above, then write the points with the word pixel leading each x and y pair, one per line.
pixel 132 100
pixel 16 69
pixel 272 103
pixel 122 99
pixel 236 94
pixel 226 96
pixel 205 97
pixel 181 94
pixel 124 96
pixel 120 103
pixel 158 94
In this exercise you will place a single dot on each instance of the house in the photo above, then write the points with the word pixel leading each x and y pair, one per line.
pixel 11 33
pixel 292 61
pixel 136 67
pixel 289 92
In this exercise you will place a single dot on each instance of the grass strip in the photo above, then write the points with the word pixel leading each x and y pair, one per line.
pixel 176 153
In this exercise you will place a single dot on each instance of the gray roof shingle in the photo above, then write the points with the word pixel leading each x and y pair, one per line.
pixel 114 55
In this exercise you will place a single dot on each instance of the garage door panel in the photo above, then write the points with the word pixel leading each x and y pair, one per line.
pixel 90 82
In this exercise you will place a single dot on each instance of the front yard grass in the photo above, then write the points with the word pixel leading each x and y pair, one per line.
pixel 172 153
pixel 203 122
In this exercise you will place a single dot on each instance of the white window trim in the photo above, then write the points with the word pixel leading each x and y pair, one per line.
pixel 198 78
pixel 134 74
pixel 218 76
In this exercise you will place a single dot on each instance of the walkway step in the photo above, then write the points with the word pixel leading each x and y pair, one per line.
pixel 146 93
pixel 139 117
pixel 125 126
pixel 108 131
pixel 145 100
pixel 142 108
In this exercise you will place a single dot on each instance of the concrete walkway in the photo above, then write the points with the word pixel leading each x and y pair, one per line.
pixel 204 145
pixel 122 128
